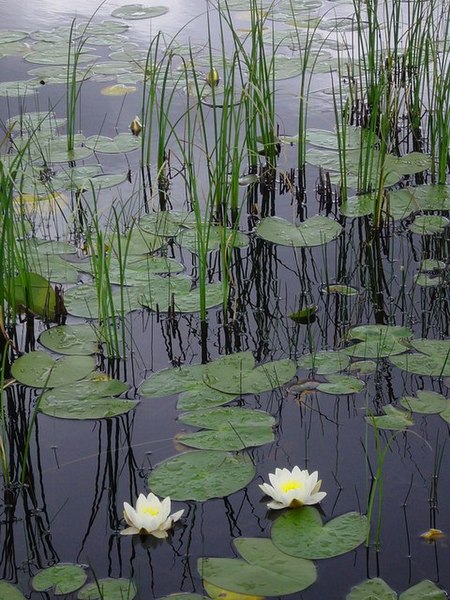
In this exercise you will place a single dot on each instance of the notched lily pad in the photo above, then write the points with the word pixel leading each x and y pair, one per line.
pixel 341 385
pixel 426 402
pixel 62 578
pixel 315 231
pixel 139 11
pixel 201 474
pixel 325 362
pixel 38 369
pixel 395 419
pixel 10 592
pixel 108 589
pixel 262 571
pixel 300 532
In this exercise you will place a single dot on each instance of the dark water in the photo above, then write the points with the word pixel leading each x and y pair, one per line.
pixel 82 472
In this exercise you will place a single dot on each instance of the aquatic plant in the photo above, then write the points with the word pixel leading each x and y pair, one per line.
pixel 293 488
pixel 150 517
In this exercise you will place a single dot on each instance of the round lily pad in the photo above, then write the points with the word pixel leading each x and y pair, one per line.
pixel 108 589
pixel 372 588
pixel 228 428
pixel 201 475
pixel 38 369
pixel 426 402
pixel 315 231
pixel 341 385
pixel 71 339
pixel 203 397
pixel 429 224
pixel 139 11
pixel 10 592
pixel 63 578
pixel 395 419
pixel 325 362
pixel 263 570
pixel 300 532
pixel 92 398
pixel 123 142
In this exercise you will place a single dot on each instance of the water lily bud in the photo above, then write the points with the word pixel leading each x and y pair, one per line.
pixel 136 126
pixel 212 78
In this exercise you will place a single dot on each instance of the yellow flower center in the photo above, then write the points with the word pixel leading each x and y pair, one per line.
pixel 292 484
pixel 149 510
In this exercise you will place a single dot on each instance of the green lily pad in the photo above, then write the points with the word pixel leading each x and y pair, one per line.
pixel 63 578
pixel 213 236
pixel 82 301
pixel 376 349
pixel 92 398
pixel 138 270
pixel 139 11
pixel 17 89
pixel 123 142
pixel 315 231
pixel 245 381
pixel 429 224
pixel 372 589
pixel 342 290
pixel 167 223
pixel 184 596
pixel 10 592
pixel 395 419
pixel 431 264
pixel 325 362
pixel 379 332
pixel 38 369
pixel 172 381
pixel 202 397
pixel 108 589
pixel 71 339
pixel 427 280
pixel 422 365
pixel 427 402
pixel 300 532
pixel 424 590
pixel 228 428
pixel 364 367
pixel 201 474
pixel 262 571
pixel 341 385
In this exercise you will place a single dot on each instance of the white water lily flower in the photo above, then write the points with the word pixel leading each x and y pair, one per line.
pixel 151 516
pixel 293 488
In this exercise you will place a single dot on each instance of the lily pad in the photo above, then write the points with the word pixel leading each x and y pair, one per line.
pixel 341 385
pixel 434 362
pixel 203 397
pixel 325 362
pixel 32 292
pixel 372 589
pixel 108 589
pixel 167 223
pixel 118 89
pixel 364 367
pixel 315 231
pixel 263 570
pixel 38 369
pixel 427 402
pixel 395 419
pixel 245 381
pixel 92 398
pixel 10 592
pixel 429 224
pixel 138 11
pixel 62 578
pixel 228 428
pixel 424 590
pixel 342 290
pixel 201 475
pixel 71 339
pixel 123 142
pixel 212 237
pixel 217 593
pixel 300 532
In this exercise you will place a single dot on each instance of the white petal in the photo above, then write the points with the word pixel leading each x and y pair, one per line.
pixel 158 533
pixel 267 489
pixel 129 514
pixel 176 515
pixel 129 531
pixel 141 503
pixel 276 505
pixel 165 508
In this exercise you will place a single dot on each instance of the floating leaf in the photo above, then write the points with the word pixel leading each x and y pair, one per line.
pixel 10 592
pixel 172 381
pixel 395 419
pixel 201 475
pixel 118 89
pixel 427 402
pixel 212 237
pixel 108 589
pixel 71 339
pixel 300 532
pixel 342 290
pixel 64 578
pixel 218 593
pixel 138 11
pixel 123 142
pixel 263 570
pixel 379 332
pixel 242 381
pixel 203 397
pixel 228 428
pixel 429 224
pixel 341 385
pixel 38 369
pixel 435 361
pixel 372 589
pixel 425 590
pixel 92 398
pixel 325 362
pixel 364 367
pixel 184 596
pixel 315 231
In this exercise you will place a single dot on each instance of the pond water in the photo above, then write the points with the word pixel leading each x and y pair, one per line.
pixel 367 283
